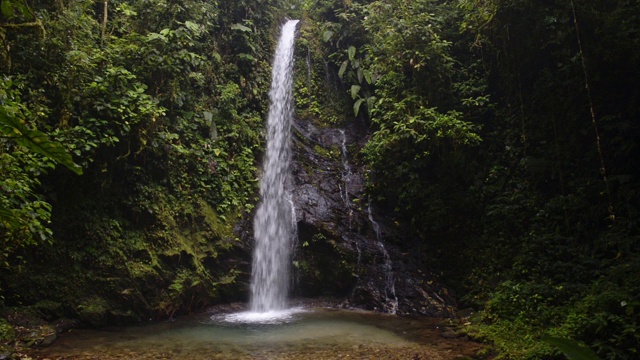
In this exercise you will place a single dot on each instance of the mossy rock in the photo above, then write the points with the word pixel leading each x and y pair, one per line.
pixel 93 311
pixel 6 351
pixel 24 316
pixel 43 335
pixel 50 310
pixel 325 268
pixel 123 317
pixel 23 326
pixel 7 332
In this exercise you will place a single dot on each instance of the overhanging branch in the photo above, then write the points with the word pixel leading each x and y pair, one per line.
pixel 36 23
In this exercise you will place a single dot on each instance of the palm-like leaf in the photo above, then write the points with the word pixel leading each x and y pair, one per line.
pixel 36 141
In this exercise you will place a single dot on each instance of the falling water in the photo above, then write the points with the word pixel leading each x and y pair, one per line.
pixel 390 283
pixel 295 243
pixel 273 224
pixel 344 194
pixel 346 172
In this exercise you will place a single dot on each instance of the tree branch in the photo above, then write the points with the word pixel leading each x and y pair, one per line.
pixel 36 23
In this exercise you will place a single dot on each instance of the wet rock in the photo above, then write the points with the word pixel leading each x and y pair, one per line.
pixel 63 325
pixel 345 247
pixel 7 332
pixel 449 334
pixel 49 310
pixel 29 328
pixel 93 311
pixel 226 308
pixel 117 316
pixel 48 335
pixel 6 352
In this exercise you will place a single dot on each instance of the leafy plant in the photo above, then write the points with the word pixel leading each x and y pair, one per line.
pixel 572 349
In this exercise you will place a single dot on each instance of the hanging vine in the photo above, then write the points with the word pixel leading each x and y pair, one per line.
pixel 603 168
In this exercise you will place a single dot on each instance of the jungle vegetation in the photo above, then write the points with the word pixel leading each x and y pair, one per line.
pixel 504 137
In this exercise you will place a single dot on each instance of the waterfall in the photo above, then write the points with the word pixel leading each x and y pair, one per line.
pixel 346 177
pixel 346 171
pixel 273 223
pixel 344 194
pixel 390 282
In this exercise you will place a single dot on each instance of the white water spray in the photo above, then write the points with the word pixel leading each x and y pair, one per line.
pixel 273 223
pixel 344 194
pixel 390 283
pixel 346 173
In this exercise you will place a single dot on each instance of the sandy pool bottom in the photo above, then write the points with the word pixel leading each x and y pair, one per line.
pixel 307 334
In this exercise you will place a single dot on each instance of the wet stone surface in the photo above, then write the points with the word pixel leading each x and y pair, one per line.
pixel 345 246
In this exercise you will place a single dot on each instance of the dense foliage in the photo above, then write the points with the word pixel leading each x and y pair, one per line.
pixel 161 104
pixel 504 140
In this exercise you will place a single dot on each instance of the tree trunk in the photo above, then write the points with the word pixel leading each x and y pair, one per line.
pixel 104 19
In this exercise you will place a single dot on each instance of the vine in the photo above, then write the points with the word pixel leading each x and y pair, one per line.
pixel 603 168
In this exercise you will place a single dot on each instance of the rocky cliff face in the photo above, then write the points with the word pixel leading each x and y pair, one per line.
pixel 345 247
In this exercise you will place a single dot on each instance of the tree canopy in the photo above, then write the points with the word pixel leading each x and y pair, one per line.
pixel 504 138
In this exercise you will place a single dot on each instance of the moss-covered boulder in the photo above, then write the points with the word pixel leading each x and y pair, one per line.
pixel 7 332
pixel 183 257
pixel 24 326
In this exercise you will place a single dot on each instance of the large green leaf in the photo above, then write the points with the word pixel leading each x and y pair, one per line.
pixel 327 35
pixel 572 349
pixel 195 28
pixel 6 8
pixel 351 52
pixel 36 141
pixel 240 27
pixel 343 68
pixel 8 219
pixel 356 106
pixel 355 89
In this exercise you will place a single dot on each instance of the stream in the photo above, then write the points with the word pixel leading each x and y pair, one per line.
pixel 313 333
